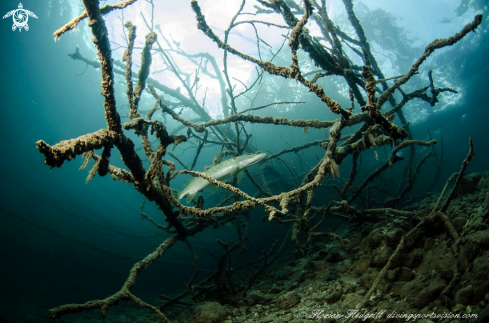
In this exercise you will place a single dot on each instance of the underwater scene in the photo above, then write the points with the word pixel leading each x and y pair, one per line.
pixel 235 161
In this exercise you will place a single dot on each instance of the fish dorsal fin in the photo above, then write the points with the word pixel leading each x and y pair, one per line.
pixel 214 188
pixel 187 182
pixel 240 176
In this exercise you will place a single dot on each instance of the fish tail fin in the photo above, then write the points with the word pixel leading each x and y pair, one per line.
pixel 176 194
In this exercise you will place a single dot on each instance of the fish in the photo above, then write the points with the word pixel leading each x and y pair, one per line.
pixel 219 172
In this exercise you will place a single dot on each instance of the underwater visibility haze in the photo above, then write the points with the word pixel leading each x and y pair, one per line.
pixel 244 161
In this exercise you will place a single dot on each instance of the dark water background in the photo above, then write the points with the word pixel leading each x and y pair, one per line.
pixel 64 241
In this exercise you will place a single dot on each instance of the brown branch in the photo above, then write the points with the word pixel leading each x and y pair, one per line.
pixel 410 237
pixel 465 163
pixel 127 57
pixel 116 172
pixel 255 274
pixel 436 44
pixel 269 104
pixel 225 245
pixel 239 117
pixel 143 72
pixel 196 272
pixel 255 183
pixel 270 209
pixel 69 149
pixel 268 66
pixel 394 131
pixel 124 293
pixel 353 174
pixel 104 10
pixel 174 93
pixel 390 161
pixel 411 179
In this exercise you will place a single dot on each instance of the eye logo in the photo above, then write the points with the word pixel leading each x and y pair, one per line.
pixel 20 17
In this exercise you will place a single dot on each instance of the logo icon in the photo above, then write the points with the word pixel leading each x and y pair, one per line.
pixel 20 17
